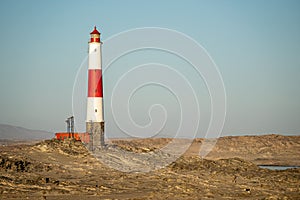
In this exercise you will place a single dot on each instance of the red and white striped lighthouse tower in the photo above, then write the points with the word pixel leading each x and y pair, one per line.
pixel 94 117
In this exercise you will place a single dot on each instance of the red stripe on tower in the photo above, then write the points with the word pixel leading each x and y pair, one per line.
pixel 95 83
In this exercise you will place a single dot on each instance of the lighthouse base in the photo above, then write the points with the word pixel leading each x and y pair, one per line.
pixel 96 132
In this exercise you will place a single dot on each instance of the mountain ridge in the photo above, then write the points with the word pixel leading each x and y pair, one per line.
pixel 11 132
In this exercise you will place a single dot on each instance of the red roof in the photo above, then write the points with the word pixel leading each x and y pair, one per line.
pixel 95 31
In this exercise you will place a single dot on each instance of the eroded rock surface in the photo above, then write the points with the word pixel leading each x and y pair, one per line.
pixel 66 170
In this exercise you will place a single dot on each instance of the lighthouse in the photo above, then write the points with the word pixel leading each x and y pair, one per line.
pixel 94 116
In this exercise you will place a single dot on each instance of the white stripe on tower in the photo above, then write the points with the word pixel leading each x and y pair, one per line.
pixel 95 92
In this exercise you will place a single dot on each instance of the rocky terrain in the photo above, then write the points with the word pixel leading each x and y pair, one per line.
pixel 262 150
pixel 136 169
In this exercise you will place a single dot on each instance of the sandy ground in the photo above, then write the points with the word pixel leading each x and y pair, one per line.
pixel 134 169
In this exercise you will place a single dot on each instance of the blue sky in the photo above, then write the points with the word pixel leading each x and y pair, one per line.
pixel 255 44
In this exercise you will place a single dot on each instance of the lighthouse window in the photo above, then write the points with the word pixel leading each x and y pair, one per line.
pixel 95 50
pixel 95 110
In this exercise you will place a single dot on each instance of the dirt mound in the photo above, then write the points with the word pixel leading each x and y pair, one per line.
pixel 68 146
pixel 23 162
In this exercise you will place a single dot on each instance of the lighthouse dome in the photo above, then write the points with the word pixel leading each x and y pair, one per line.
pixel 95 31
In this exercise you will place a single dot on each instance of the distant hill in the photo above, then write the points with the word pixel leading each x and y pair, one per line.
pixel 9 132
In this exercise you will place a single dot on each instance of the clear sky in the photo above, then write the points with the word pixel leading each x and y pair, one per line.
pixel 255 44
